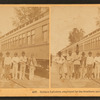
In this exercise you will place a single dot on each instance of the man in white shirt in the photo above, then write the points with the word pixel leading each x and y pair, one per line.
pixel 15 61
pixel 60 61
pixel 83 65
pixel 76 60
pixel 89 64
pixel 97 65
pixel 7 65
pixel 32 63
pixel 23 61
pixel 69 64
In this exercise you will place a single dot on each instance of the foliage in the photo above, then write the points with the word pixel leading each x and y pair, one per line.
pixel 75 35
pixel 98 18
pixel 25 14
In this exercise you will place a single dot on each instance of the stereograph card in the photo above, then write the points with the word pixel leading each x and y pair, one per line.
pixel 50 50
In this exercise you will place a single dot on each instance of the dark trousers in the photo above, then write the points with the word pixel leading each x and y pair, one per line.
pixel 89 71
pixel 76 71
pixel 7 71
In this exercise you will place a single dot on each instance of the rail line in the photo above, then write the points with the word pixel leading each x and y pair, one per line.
pixel 17 83
pixel 95 81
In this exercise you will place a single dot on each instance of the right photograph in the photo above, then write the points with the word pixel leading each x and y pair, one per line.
pixel 75 47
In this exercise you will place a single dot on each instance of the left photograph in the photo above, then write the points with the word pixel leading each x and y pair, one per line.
pixel 24 47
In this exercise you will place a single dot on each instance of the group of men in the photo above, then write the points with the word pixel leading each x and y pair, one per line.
pixel 78 66
pixel 15 67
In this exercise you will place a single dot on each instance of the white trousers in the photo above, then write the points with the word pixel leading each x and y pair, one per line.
pixel 97 71
pixel 22 71
pixel 15 71
pixel 31 72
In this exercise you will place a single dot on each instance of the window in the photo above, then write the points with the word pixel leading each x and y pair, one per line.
pixel 45 33
pixel 24 39
pixel 10 43
pixel 45 27
pixel 94 43
pixel 88 44
pixel 33 37
pixel 7 44
pixel 13 40
pixel 85 46
pixel 97 42
pixel 91 43
pixel 16 41
pixel 20 40
pixel 29 38
pixel 4 45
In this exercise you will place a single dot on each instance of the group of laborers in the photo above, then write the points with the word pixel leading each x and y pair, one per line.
pixel 17 65
pixel 78 66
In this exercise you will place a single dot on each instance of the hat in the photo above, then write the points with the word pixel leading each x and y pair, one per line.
pixel 83 53
pixel 90 53
pixel 23 52
pixel 7 53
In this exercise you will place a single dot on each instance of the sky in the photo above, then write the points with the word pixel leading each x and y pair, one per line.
pixel 6 15
pixel 65 18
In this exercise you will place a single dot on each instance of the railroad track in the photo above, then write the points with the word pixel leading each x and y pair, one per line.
pixel 17 83
pixel 95 81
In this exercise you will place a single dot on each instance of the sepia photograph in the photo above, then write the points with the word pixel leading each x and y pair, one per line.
pixel 75 46
pixel 24 46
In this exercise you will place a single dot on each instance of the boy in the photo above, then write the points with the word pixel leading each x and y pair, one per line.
pixel 7 65
pixel 60 62
pixel 97 65
pixel 1 65
pixel 32 63
pixel 83 65
pixel 23 61
pixel 89 64
pixel 76 65
pixel 15 61
pixel 69 64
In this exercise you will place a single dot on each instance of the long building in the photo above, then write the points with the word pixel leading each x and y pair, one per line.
pixel 90 42
pixel 31 37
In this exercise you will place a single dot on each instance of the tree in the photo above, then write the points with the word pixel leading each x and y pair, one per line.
pixel 98 18
pixel 75 35
pixel 25 14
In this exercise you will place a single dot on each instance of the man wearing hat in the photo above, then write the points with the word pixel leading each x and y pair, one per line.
pixel 76 60
pixel 97 65
pixel 83 65
pixel 7 65
pixel 15 61
pixel 89 64
pixel 23 61
pixel 1 65
pixel 69 64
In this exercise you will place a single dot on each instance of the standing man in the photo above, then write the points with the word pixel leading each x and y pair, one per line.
pixel 60 61
pixel 69 64
pixel 23 61
pixel 97 66
pixel 32 63
pixel 15 61
pixel 76 60
pixel 7 65
pixel 89 64
pixel 1 65
pixel 83 65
